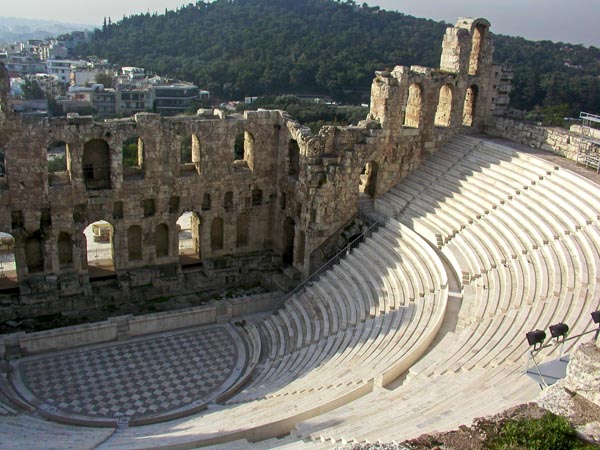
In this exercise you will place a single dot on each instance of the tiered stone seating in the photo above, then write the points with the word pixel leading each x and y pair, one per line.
pixel 525 246
pixel 380 306
pixel 358 328
pixel 30 433
pixel 531 263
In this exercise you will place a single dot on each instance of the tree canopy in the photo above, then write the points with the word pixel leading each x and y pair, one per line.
pixel 32 90
pixel 106 79
pixel 237 48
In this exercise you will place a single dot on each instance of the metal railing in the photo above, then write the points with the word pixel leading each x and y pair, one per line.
pixel 585 151
pixel 375 221
pixel 588 116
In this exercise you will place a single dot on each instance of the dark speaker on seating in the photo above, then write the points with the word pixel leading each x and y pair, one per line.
pixel 596 317
pixel 559 330
pixel 536 337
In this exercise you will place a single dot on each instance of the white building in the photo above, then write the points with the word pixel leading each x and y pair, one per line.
pixel 62 68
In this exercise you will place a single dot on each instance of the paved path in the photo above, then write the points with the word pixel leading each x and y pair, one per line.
pixel 150 377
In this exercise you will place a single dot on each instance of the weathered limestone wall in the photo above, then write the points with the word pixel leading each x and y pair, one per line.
pixel 579 390
pixel 23 344
pixel 285 196
pixel 41 207
pixel 401 128
pixel 563 142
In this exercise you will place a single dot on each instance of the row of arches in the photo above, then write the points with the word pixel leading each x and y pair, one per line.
pixel 133 154
pixel 96 160
pixel 443 114
pixel 99 245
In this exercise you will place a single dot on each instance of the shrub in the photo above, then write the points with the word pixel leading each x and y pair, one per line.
pixel 550 432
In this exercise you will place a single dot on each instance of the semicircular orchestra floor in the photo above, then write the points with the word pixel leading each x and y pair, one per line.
pixel 148 379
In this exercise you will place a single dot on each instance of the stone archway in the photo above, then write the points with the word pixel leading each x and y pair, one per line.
pixel 242 231
pixel 65 250
pixel 289 236
pixel 34 253
pixel 470 105
pixel 133 158
pixel 134 243
pixel 368 179
pixel 96 165
pixel 293 159
pixel 99 249
pixel 9 278
pixel 476 47
pixel 189 227
pixel 412 117
pixel 161 240
pixel 216 234
pixel 443 114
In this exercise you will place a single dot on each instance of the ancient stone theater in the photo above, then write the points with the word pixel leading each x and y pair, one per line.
pixel 396 265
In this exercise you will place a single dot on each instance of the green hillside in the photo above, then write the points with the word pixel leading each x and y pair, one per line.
pixel 253 47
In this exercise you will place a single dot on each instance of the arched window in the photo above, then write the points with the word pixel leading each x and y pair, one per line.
pixel 238 147
pixel 206 203
pixel 368 179
pixel 301 244
pixel 2 164
pixel 243 150
pixel 228 202
pixel 257 197
pixel 189 156
pixel 293 159
pixel 161 240
pixel 133 158
pixel 476 47
pixel 444 109
pixel 185 150
pixel 96 164
pixel 242 231
pixel 57 157
pixel 216 234
pixel 34 254
pixel 413 106
pixel 65 250
pixel 289 235
pixel 134 243
pixel 196 149
pixel 470 104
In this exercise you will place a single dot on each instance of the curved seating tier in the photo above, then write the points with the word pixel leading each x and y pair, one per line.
pixel 524 241
pixel 31 433
pixel 361 324
pixel 525 244
pixel 366 319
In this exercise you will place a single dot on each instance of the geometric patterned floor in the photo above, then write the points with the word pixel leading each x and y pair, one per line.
pixel 140 379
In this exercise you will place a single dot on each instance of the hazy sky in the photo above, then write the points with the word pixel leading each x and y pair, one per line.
pixel 574 21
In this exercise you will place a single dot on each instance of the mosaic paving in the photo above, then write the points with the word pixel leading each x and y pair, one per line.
pixel 138 379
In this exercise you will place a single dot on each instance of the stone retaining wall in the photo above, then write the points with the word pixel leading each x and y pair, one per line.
pixel 563 142
pixel 131 326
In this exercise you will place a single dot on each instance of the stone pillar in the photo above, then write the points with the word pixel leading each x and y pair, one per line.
pixel 386 102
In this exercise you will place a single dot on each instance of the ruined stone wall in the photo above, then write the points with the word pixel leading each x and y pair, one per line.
pixel 38 205
pixel 409 118
pixel 276 203
pixel 557 140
